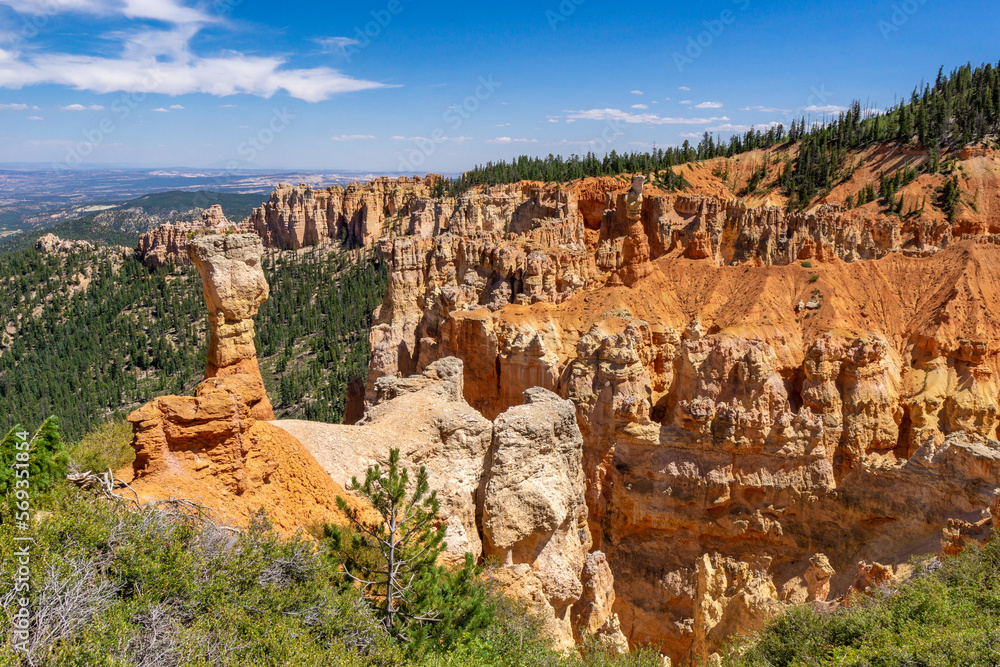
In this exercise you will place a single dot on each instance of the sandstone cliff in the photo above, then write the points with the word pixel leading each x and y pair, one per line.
pixel 168 243
pixel 359 214
pixel 511 489
pixel 752 427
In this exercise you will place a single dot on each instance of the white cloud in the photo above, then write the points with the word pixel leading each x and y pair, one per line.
pixel 638 92
pixel 176 107
pixel 35 118
pixel 337 45
pixel 632 118
pixel 13 107
pixel 162 110
pixel 169 11
pixel 690 135
pixel 80 107
pixel 227 106
pixel 685 102
pixel 504 125
pixel 709 105
pixel 829 108
pixel 589 142
pixel 766 109
pixel 153 60
pixel 641 106
pixel 508 140
pixel 683 88
pixel 352 137
pixel 220 76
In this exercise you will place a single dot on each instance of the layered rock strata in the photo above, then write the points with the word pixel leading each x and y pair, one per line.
pixel 234 288
pixel 720 418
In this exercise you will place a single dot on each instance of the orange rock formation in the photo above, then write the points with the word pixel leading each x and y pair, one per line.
pixel 215 447
pixel 752 428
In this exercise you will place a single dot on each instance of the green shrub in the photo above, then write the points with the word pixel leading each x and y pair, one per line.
pixel 807 265
pixel 108 447
pixel 814 278
pixel 948 614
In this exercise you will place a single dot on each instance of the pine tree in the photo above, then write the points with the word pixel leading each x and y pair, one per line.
pixel 43 453
pixel 394 560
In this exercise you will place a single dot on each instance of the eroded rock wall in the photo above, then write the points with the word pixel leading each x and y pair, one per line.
pixel 782 421
pixel 513 488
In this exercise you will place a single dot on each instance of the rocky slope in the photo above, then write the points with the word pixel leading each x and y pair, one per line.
pixel 512 489
pixel 766 398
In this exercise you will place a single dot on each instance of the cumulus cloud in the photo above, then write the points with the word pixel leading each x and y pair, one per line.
pixel 709 105
pixel 508 140
pixel 162 110
pixel 228 75
pixel 81 107
pixel 352 137
pixel 685 102
pixel 176 107
pixel 683 88
pixel 640 106
pixel 728 127
pixel 35 118
pixel 458 140
pixel 13 107
pixel 638 92
pixel 589 142
pixel 638 118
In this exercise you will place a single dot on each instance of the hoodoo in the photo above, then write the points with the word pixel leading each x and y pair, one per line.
pixel 216 447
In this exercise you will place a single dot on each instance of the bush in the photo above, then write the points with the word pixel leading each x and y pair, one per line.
pixel 108 447
pixel 807 265
pixel 115 586
pixel 949 614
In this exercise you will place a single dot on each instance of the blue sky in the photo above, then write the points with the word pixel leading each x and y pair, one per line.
pixel 401 85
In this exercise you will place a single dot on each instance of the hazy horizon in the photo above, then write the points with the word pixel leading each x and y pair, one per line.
pixel 399 87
